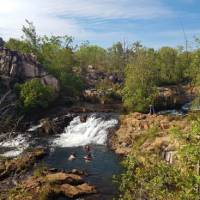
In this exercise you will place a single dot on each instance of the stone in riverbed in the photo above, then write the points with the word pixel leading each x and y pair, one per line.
pixel 52 185
pixel 21 163
pixel 77 191
pixel 61 177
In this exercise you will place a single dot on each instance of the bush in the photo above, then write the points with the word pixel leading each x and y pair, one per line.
pixel 33 94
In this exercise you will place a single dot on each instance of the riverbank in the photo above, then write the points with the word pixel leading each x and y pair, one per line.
pixel 136 125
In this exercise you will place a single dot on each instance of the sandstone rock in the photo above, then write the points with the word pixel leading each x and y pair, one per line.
pixel 76 191
pixel 53 185
pixel 136 125
pixel 23 162
pixel 64 178
pixel 16 67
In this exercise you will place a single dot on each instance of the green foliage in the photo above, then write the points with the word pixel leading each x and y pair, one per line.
pixel 143 69
pixel 140 78
pixel 91 55
pixel 146 176
pixel 34 94
pixel 55 53
pixel 117 58
pixel 18 45
pixel 166 63
pixel 194 68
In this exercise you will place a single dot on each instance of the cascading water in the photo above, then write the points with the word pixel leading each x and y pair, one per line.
pixel 15 146
pixel 93 131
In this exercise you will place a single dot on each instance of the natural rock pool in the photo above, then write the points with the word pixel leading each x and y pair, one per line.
pixel 93 131
pixel 100 170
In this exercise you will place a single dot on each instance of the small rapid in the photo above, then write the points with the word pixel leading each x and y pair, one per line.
pixel 12 147
pixel 93 131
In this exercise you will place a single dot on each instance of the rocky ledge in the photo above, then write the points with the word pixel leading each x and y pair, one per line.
pixel 16 68
pixel 136 125
pixel 48 185
pixel 21 178
pixel 10 167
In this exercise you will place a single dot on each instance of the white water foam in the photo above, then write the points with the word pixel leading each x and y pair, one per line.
pixel 19 144
pixel 93 131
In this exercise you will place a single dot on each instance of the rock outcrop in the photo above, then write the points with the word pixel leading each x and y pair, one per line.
pixel 21 163
pixel 51 185
pixel 136 125
pixel 172 97
pixel 22 179
pixel 16 68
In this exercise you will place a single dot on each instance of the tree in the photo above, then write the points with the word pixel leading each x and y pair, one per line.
pixel 166 64
pixel 140 78
pixel 116 56
pixel 194 69
pixel 91 55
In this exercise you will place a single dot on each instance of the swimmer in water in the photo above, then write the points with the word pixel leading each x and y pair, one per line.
pixel 88 157
pixel 72 157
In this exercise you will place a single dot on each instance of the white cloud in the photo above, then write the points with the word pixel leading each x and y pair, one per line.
pixel 62 16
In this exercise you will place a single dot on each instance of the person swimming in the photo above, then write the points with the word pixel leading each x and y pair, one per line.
pixel 72 157
pixel 88 157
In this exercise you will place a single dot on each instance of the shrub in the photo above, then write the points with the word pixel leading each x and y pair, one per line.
pixel 33 94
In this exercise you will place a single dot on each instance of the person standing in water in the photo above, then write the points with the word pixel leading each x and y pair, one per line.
pixel 151 109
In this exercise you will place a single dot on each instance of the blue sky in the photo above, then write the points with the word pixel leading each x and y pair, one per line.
pixel 153 22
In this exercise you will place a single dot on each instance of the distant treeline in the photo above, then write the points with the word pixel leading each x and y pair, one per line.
pixel 143 69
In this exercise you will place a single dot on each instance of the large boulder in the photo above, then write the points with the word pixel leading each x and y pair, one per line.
pixel 21 163
pixel 52 186
pixel 16 67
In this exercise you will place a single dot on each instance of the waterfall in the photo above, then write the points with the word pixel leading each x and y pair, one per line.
pixel 93 131
pixel 14 145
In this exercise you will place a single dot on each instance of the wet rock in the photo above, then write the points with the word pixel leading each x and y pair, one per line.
pixel 47 127
pixel 77 191
pixel 21 163
pixel 52 185
pixel 78 172
pixel 83 118
pixel 62 177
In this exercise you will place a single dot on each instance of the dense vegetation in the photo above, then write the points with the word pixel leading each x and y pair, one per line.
pixel 33 94
pixel 147 176
pixel 142 69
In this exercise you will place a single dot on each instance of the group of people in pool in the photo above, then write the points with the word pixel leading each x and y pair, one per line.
pixel 87 157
